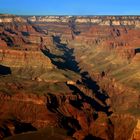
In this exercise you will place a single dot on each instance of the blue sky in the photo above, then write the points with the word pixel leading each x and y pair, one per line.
pixel 70 7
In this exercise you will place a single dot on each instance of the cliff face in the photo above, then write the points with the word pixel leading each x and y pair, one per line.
pixel 84 115
pixel 14 58
pixel 20 43
pixel 98 20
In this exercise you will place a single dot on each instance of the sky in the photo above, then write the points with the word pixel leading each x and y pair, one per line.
pixel 70 7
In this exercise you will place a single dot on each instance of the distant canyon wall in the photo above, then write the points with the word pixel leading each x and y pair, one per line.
pixel 98 20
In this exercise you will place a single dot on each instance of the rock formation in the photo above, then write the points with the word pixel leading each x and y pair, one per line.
pixel 79 75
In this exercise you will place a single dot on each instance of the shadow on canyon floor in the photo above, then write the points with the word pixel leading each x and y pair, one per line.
pixel 84 98
pixel 91 84
pixel 71 64
pixel 5 70
pixel 7 39
pixel 21 127
pixel 90 137
pixel 12 127
pixel 137 50
pixel 70 123
pixel 68 58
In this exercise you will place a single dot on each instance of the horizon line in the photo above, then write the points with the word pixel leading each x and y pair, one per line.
pixel 70 14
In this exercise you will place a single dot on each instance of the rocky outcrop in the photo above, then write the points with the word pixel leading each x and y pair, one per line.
pixel 124 125
pixel 11 18
pixel 23 58
pixel 30 105
pixel 3 44
pixel 136 132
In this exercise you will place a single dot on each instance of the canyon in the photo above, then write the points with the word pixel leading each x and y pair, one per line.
pixel 69 77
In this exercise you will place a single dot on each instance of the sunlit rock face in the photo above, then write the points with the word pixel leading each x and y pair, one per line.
pixel 98 20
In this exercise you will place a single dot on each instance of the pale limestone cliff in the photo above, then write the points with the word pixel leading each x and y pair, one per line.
pixel 98 20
